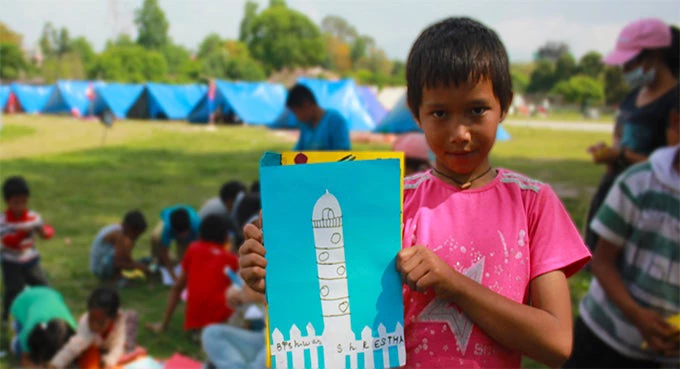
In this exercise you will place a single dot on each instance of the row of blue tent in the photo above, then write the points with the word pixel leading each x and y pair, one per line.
pixel 258 103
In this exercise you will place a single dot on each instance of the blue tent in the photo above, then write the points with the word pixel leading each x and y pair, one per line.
pixel 163 101
pixel 4 96
pixel 32 98
pixel 371 104
pixel 400 120
pixel 342 96
pixel 70 97
pixel 252 102
pixel 116 97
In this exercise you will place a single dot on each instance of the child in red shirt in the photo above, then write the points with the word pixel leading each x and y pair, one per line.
pixel 203 274
pixel 18 227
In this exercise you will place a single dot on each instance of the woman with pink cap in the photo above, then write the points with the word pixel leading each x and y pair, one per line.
pixel 648 52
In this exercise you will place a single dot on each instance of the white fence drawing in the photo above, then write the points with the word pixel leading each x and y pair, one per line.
pixel 370 347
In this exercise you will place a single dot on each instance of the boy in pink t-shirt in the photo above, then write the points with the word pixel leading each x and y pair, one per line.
pixel 486 251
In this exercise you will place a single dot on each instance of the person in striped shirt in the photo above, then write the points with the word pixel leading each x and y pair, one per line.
pixel 18 228
pixel 637 269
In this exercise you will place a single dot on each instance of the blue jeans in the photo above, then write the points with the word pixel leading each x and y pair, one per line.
pixel 230 347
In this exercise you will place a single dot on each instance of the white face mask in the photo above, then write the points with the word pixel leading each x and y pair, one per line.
pixel 638 77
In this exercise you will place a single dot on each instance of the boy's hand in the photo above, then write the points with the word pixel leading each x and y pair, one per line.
pixel 155 327
pixel 657 332
pixel 235 297
pixel 252 262
pixel 422 270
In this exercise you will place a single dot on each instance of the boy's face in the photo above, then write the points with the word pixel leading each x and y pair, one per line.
pixel 304 113
pixel 460 124
pixel 17 204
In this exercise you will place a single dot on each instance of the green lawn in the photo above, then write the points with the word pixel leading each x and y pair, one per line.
pixel 79 185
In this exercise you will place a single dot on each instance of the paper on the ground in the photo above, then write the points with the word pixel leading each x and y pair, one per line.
pixel 167 279
pixel 253 312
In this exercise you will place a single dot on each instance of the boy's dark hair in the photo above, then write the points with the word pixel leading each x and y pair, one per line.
pixel 250 206
pixel 255 187
pixel 415 164
pixel 231 189
pixel 298 95
pixel 46 339
pixel 105 298
pixel 15 186
pixel 135 221
pixel 453 52
pixel 214 229
pixel 179 220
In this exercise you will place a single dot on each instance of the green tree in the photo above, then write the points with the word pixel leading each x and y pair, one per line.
pixel 580 89
pixel 82 47
pixel 275 3
pixel 282 37
pixel 132 64
pixel 340 28
pixel 591 64
pixel 615 88
pixel 565 67
pixel 152 26
pixel 360 47
pixel 176 57
pixel 210 44
pixel 66 66
pixel 13 62
pixel 9 36
pixel 520 81
pixel 63 44
pixel 542 78
pixel 249 14
pixel 48 40
pixel 552 51
pixel 122 40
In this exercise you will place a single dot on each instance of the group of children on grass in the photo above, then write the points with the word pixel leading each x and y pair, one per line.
pixel 486 251
pixel 46 333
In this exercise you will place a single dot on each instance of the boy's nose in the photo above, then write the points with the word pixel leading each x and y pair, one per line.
pixel 459 133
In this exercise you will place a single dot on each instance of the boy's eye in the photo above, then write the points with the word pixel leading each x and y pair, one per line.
pixel 438 114
pixel 480 110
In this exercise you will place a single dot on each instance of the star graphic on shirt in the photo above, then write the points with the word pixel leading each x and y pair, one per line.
pixel 440 311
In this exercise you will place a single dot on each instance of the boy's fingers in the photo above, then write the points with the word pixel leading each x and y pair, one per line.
pixel 252 247
pixel 251 231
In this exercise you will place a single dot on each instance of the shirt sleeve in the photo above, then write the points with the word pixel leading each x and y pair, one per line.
pixel 340 135
pixel 554 241
pixel 614 220
pixel 75 346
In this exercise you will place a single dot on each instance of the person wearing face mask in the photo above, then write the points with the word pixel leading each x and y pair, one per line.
pixel 648 52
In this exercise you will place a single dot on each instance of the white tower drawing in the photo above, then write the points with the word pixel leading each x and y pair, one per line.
pixel 332 271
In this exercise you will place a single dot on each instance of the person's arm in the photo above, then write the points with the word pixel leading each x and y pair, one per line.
pixel 658 333
pixel 165 260
pixel 173 300
pixel 123 255
pixel 117 345
pixel 76 345
pixel 542 331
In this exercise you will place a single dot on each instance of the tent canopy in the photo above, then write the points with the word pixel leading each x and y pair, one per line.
pixel 116 97
pixel 70 97
pixel 32 98
pixel 4 96
pixel 163 101
pixel 252 102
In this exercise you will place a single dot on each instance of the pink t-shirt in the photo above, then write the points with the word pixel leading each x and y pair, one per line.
pixel 501 235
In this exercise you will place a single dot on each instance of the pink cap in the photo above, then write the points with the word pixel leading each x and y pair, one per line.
pixel 413 145
pixel 643 34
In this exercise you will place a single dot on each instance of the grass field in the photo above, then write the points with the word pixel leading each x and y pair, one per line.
pixel 80 185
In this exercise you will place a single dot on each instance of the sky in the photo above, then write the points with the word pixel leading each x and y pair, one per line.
pixel 522 25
